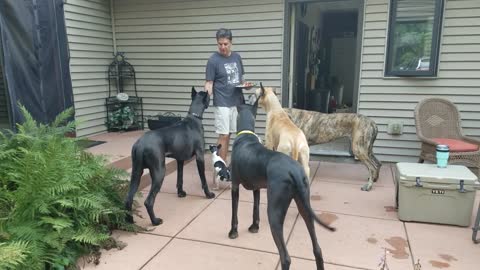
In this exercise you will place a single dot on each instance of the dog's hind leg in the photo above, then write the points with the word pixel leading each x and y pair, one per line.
pixel 277 208
pixel 363 157
pixel 303 158
pixel 137 172
pixel 377 166
pixel 376 163
pixel 256 212
pixel 309 221
pixel 201 172
pixel 364 147
pixel 360 146
pixel 180 192
pixel 157 172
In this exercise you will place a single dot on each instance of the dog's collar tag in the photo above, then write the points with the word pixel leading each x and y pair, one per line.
pixel 249 132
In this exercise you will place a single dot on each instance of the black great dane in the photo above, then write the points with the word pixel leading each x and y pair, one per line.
pixel 256 167
pixel 180 141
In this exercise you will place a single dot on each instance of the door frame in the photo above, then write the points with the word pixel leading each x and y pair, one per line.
pixel 287 69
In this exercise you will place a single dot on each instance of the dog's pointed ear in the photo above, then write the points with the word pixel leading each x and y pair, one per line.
pixel 262 93
pixel 194 92
pixel 219 146
pixel 206 100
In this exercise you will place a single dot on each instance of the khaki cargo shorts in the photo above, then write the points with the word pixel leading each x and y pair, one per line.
pixel 225 120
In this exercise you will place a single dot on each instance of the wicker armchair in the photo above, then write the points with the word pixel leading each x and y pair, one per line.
pixel 438 122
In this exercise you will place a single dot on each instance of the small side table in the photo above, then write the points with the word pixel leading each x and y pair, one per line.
pixel 476 227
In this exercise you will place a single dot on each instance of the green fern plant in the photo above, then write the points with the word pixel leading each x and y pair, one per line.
pixel 57 202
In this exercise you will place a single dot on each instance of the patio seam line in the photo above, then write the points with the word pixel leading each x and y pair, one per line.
pixel 344 182
pixel 409 244
pixel 315 173
pixel 166 244
pixel 315 210
pixel 344 265
pixel 225 245
pixel 289 235
pixel 261 203
pixel 255 250
pixel 175 236
pixel 392 173
pixel 268 252
pixel 201 196
pixel 352 215
pixel 249 249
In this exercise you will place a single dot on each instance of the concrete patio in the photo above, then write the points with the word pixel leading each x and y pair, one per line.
pixel 194 234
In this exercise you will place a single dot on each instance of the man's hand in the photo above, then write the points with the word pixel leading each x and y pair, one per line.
pixel 248 85
pixel 209 87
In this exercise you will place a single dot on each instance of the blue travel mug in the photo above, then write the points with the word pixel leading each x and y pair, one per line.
pixel 442 155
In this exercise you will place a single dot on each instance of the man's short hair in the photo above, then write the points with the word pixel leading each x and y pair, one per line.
pixel 224 33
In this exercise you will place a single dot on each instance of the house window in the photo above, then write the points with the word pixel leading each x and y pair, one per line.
pixel 414 37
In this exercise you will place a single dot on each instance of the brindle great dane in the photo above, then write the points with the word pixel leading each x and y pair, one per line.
pixel 322 128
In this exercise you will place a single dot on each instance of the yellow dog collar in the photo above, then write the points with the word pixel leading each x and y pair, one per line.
pixel 246 132
pixel 249 132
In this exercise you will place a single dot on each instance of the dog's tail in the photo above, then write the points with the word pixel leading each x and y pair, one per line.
pixel 301 182
pixel 136 176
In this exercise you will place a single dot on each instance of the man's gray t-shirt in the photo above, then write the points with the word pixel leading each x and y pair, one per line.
pixel 226 73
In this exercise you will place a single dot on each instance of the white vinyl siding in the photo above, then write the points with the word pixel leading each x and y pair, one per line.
pixel 394 99
pixel 169 43
pixel 89 32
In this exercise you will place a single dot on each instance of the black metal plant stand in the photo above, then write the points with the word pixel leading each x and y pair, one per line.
pixel 125 107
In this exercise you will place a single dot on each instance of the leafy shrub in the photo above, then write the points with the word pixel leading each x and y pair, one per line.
pixel 57 202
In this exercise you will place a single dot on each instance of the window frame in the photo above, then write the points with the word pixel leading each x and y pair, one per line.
pixel 435 52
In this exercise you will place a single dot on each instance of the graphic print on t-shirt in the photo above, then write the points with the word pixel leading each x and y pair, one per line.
pixel 232 73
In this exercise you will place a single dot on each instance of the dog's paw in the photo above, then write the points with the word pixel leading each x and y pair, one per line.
pixel 253 228
pixel 129 218
pixel 210 195
pixel 367 186
pixel 157 221
pixel 233 234
pixel 181 194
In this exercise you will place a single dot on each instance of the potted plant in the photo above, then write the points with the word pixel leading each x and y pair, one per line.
pixel 121 118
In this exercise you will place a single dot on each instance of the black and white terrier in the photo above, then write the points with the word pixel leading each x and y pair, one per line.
pixel 222 173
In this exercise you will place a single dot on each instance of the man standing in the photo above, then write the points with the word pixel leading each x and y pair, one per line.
pixel 224 73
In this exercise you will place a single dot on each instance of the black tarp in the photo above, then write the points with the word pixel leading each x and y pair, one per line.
pixel 35 58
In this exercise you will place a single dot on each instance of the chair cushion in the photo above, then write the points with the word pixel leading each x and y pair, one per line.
pixel 457 145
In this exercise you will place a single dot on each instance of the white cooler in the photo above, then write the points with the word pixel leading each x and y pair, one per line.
pixel 427 193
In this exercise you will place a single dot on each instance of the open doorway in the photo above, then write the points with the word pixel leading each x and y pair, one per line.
pixel 323 63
